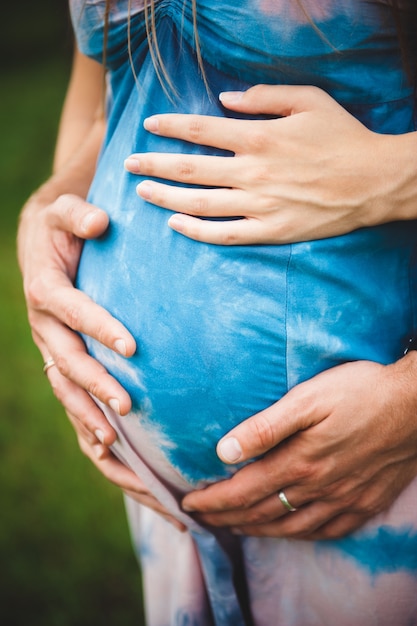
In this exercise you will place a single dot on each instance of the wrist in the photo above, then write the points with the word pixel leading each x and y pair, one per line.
pixel 397 167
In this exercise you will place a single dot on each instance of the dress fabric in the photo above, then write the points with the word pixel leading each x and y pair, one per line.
pixel 223 332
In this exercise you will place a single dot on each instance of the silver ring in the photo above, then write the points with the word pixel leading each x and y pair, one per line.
pixel 48 363
pixel 285 502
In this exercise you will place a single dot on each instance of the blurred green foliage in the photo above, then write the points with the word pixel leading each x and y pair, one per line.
pixel 65 552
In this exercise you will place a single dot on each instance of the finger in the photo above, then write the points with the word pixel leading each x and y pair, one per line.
pixel 74 215
pixel 198 202
pixel 250 485
pixel 195 169
pixel 338 527
pixel 297 410
pixel 299 525
pixel 124 478
pixel 53 293
pixel 153 504
pixel 237 232
pixel 275 99
pixel 228 134
pixel 82 431
pixel 78 403
pixel 81 409
pixel 70 357
pixel 263 512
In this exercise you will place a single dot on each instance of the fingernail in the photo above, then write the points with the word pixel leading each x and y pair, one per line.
pixel 132 164
pixel 120 346
pixel 230 97
pixel 177 222
pixel 144 190
pixel 85 224
pixel 99 434
pixel 151 124
pixel 229 450
pixel 115 405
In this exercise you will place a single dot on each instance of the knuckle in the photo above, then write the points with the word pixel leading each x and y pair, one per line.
pixel 257 139
pixel 34 292
pixel 72 316
pixel 196 128
pixel 255 517
pixel 305 472
pixel 228 238
pixel 239 500
pixel 260 174
pixel 94 389
pixel 199 206
pixel 268 204
pixel 147 164
pixel 184 170
pixel 370 507
pixel 62 365
pixel 101 334
pixel 262 432
pixel 65 205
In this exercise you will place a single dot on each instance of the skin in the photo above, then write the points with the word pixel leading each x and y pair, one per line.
pixel 58 219
pixel 320 451
pixel 276 177
pixel 342 445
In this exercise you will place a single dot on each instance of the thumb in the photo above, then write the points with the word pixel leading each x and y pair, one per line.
pixel 280 100
pixel 255 436
pixel 74 215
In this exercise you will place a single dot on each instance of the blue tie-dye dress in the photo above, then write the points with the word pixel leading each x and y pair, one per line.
pixel 223 332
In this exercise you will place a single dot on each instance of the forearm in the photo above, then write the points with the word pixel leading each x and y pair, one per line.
pixel 78 143
pixel 75 178
pixel 83 107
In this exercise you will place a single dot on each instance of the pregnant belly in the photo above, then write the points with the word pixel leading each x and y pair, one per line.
pixel 209 322
pixel 222 332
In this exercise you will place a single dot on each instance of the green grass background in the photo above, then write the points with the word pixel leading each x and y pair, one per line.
pixel 65 552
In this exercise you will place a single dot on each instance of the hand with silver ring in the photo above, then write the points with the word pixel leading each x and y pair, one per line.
pixel 283 499
pixel 339 442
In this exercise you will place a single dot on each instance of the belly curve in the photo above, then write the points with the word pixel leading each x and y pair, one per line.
pixel 222 332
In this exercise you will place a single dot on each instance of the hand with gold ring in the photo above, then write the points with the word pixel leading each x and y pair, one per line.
pixel 47 364
pixel 53 225
pixel 339 449
pixel 57 312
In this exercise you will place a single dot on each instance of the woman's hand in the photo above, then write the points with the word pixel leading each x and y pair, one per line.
pixel 117 473
pixel 53 225
pixel 342 446
pixel 313 172
pixel 50 240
